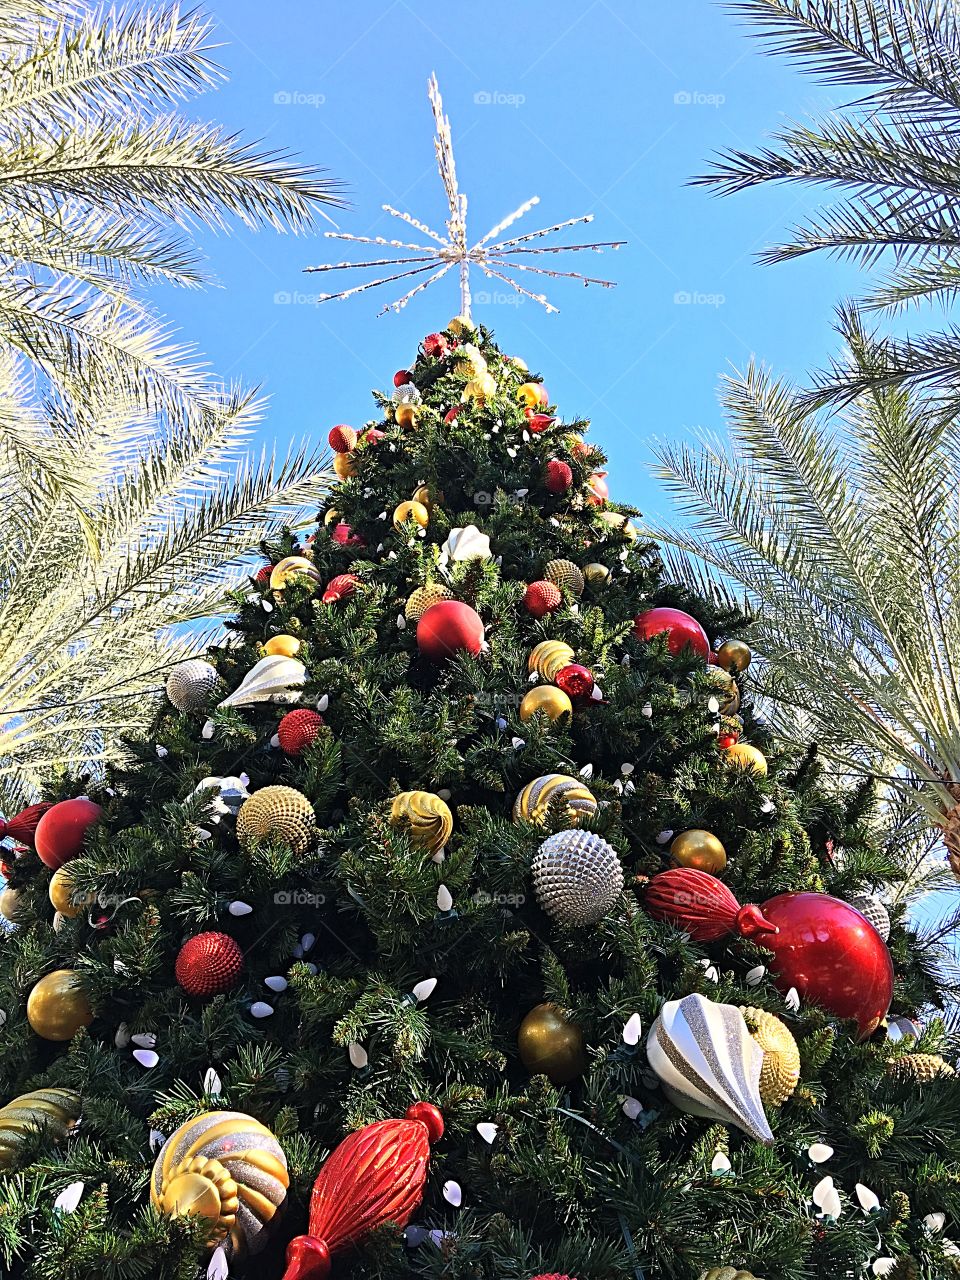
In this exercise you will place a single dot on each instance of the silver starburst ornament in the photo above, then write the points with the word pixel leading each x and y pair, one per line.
pixel 869 905
pixel 190 684
pixel 577 877
pixel 492 254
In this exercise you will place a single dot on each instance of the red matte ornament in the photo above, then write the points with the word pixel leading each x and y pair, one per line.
pixel 23 825
pixel 542 597
pixel 575 681
pixel 449 627
pixel 209 964
pixel 559 476
pixel 374 1176
pixel 402 377
pixel 298 729
pixel 342 439
pixel 680 629
pixel 341 587
pixel 61 830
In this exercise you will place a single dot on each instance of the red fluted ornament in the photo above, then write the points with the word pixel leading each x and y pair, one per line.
pixel 436 345
pixel 262 578
pixel 542 597
pixel 554 1275
pixel 209 964
pixel 575 681
pixel 344 535
pixel 376 1175
pixel 558 476
pixel 342 439
pixel 449 627
pixel 23 825
pixel 298 729
pixel 61 830
pixel 680 629
pixel 341 587
pixel 823 947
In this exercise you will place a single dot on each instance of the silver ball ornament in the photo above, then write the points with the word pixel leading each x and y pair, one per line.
pixel 870 906
pixel 577 877
pixel 191 684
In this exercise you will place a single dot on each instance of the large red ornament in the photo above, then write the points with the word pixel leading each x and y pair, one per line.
pixel 60 832
pixel 575 680
pixel 449 627
pixel 341 587
pixel 23 825
pixel 376 1175
pixel 542 597
pixel 680 629
pixel 822 946
pixel 209 964
pixel 559 476
pixel 342 439
pixel 372 435
pixel 298 729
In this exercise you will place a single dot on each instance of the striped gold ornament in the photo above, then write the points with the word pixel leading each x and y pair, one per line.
pixel 427 818
pixel 419 601
pixel 227 1167
pixel 565 574
pixel 728 1273
pixel 54 1110
pixel 293 569
pixel 534 801
pixel 919 1067
pixel 277 812
pixel 548 657
pixel 780 1073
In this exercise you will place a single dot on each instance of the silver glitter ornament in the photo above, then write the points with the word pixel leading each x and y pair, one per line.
pixel 577 877
pixel 870 906
pixel 190 684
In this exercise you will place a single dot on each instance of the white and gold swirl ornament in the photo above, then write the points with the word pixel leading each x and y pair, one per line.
pixel 227 1167
pixel 709 1064
pixel 272 679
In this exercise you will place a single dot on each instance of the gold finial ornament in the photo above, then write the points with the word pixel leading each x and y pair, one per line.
pixel 54 1110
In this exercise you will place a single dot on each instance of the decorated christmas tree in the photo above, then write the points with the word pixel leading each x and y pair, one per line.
pixel 457 919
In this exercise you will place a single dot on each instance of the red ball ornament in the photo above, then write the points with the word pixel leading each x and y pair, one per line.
pixel 436 345
pixel 681 630
pixel 376 1175
pixel 345 537
pixel 372 435
pixel 61 830
pixel 727 740
pixel 542 597
pixel 537 422
pixel 23 825
pixel 449 627
pixel 575 681
pixel 209 964
pixel 402 377
pixel 341 587
pixel 342 439
pixel 298 729
pixel 599 489
pixel 559 476
pixel 451 414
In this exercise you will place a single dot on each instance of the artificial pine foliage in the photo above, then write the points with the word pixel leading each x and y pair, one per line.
pixel 408 971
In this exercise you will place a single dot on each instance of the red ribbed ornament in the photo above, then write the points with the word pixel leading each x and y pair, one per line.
pixel 262 577
pixel 559 476
pixel 60 833
pixel 436 345
pixel 680 629
pixel 342 439
pixel 599 489
pixel 542 597
pixel 23 825
pixel 373 435
pixel 376 1175
pixel 209 964
pixel 554 1275
pixel 700 905
pixel 340 588
pixel 298 729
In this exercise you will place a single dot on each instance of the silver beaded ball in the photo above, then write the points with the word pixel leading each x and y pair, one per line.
pixel 577 877
pixel 869 905
pixel 190 684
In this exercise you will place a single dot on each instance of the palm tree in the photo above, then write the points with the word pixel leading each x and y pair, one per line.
pixel 841 535
pixel 127 506
pixel 893 153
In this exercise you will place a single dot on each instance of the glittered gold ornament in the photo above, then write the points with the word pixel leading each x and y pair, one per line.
pixel 700 850
pixel 226 1167
pixel 277 813
pixel 549 657
pixel 57 1007
pixel 565 574
pixel 724 688
pixel 284 646
pixel 410 511
pixel 534 801
pixel 546 699
pixel 344 465
pixel 64 896
pixel 597 575
pixel 743 756
pixel 621 524
pixel 734 655
pixel 426 817
pixel 481 388
pixel 462 326
pixel 780 1073
pixel 9 904
pixel 56 1111
pixel 419 601
pixel 551 1045
pixel 919 1067
pixel 293 569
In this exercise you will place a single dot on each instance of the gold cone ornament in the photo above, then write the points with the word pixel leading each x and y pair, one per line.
pixel 419 601
pixel 534 801
pixel 549 657
pixel 700 850
pixel 564 573
pixel 56 1111
pixel 57 1007
pixel 426 817
pixel 780 1073
pixel 547 700
pixel 551 1045
pixel 226 1167
pixel 277 813
pixel 919 1067
pixel 293 569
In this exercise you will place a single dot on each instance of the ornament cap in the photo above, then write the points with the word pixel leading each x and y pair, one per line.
pixel 307 1259
pixel 752 923
pixel 429 1116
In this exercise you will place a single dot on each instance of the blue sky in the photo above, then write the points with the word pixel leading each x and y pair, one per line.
pixel 607 108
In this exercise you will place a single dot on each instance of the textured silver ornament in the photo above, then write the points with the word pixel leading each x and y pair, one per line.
pixel 870 906
pixel 577 877
pixel 190 684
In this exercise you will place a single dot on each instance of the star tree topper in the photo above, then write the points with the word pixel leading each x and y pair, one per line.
pixel 493 256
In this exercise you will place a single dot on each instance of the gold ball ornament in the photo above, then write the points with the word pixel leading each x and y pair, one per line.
pixel 9 904
pixel 56 1111
pixel 734 655
pixel 285 646
pixel 228 1168
pixel 462 326
pixel 564 573
pixel 743 756
pixel 419 601
pixel 700 850
pixel 534 801
pixel 546 699
pixel 597 575
pixel 621 524
pixel 331 517
pixel 780 1073
pixel 423 495
pixel 57 1007
pixel 410 511
pixel 63 895
pixel 920 1068
pixel 344 465
pixel 724 688
pixel 549 657
pixel 293 569
pixel 426 817
pixel 530 394
pixel 277 813
pixel 480 388
pixel 405 414
pixel 551 1045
